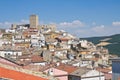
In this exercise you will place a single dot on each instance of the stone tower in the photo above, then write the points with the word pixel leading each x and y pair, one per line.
pixel 34 21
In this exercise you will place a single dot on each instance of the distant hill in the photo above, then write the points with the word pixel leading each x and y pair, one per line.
pixel 110 42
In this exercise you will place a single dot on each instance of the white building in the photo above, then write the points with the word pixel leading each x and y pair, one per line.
pixel 10 53
pixel 85 74
pixel 37 40
pixel 10 31
pixel 84 43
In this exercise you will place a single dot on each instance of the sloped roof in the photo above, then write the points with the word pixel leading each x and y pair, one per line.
pixel 104 70
pixel 80 71
pixel 67 68
pixel 8 62
pixel 6 73
pixel 37 58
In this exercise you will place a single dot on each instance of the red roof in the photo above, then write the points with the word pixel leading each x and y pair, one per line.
pixel 104 70
pixel 36 58
pixel 6 73
pixel 67 68
pixel 64 39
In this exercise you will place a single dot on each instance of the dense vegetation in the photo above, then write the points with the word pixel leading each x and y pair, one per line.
pixel 113 48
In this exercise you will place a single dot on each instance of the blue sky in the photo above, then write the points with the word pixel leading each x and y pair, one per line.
pixel 83 18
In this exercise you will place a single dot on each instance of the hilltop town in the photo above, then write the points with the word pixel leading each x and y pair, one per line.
pixel 49 54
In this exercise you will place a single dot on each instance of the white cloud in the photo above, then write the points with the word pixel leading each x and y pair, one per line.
pixel 100 28
pixel 117 23
pixel 8 24
pixel 75 23
pixel 5 24
pixel 23 21
pixel 87 30
pixel 77 27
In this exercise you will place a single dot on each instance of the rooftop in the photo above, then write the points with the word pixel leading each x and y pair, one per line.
pixel 19 73
pixel 12 74
pixel 67 68
pixel 36 58
pixel 80 71
pixel 115 59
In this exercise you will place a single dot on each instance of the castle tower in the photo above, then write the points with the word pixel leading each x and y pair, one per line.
pixel 34 22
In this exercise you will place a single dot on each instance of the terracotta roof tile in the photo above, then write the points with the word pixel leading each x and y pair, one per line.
pixel 36 58
pixel 67 68
pixel 15 75
pixel 103 70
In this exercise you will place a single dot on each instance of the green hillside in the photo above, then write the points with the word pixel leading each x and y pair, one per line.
pixel 113 48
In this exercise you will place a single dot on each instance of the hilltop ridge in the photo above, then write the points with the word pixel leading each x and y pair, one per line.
pixel 113 42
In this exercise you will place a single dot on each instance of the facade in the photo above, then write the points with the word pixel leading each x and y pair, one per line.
pixel 6 61
pixel 85 74
pixel 10 53
pixel 107 72
pixel 59 74
pixel 34 22
pixel 47 28
pixel 115 69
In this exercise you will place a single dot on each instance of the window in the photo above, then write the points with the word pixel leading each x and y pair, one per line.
pixel 8 53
